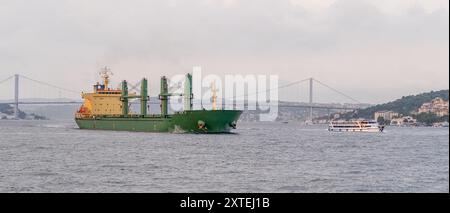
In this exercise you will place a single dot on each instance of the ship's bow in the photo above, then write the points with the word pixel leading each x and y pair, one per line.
pixel 206 121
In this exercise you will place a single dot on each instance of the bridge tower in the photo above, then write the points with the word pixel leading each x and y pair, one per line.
pixel 311 80
pixel 16 96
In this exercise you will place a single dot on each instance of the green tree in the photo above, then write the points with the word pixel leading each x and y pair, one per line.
pixel 405 105
pixel 428 118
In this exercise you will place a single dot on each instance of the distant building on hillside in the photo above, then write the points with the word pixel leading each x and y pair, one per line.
pixel 437 106
pixel 386 115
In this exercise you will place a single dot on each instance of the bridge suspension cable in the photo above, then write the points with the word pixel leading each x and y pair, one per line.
pixel 299 82
pixel 270 89
pixel 337 91
pixel 50 85
pixel 4 80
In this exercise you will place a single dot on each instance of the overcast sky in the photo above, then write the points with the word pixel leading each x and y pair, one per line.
pixel 375 51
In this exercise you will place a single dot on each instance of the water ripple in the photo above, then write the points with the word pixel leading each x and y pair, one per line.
pixel 48 156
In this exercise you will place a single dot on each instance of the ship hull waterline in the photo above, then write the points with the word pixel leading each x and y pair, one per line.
pixel 193 121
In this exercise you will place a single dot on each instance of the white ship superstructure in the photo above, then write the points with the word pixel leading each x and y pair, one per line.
pixel 355 126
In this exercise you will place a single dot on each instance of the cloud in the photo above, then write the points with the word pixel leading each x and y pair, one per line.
pixel 346 42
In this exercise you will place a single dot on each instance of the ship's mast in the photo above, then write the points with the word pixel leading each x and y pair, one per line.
pixel 105 74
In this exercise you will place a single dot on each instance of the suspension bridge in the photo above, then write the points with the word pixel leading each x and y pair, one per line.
pixel 62 99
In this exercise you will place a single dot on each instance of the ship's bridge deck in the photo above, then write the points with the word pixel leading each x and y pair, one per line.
pixel 109 92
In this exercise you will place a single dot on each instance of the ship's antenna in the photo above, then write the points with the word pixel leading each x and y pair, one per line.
pixel 105 74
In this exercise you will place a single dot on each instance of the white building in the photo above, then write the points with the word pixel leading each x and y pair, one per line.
pixel 437 106
pixel 386 115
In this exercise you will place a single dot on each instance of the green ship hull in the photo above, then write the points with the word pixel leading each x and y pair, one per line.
pixel 192 121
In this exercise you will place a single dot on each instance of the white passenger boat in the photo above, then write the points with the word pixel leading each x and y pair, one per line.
pixel 355 126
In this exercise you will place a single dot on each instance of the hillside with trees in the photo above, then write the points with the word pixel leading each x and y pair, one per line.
pixel 404 106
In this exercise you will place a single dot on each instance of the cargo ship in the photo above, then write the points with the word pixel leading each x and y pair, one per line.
pixel 109 109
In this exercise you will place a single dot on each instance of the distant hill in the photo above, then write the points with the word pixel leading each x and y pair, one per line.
pixel 7 110
pixel 404 105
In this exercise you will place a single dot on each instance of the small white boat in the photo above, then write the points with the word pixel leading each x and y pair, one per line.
pixel 355 126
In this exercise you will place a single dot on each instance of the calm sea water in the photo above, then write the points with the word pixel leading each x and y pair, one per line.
pixel 55 156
